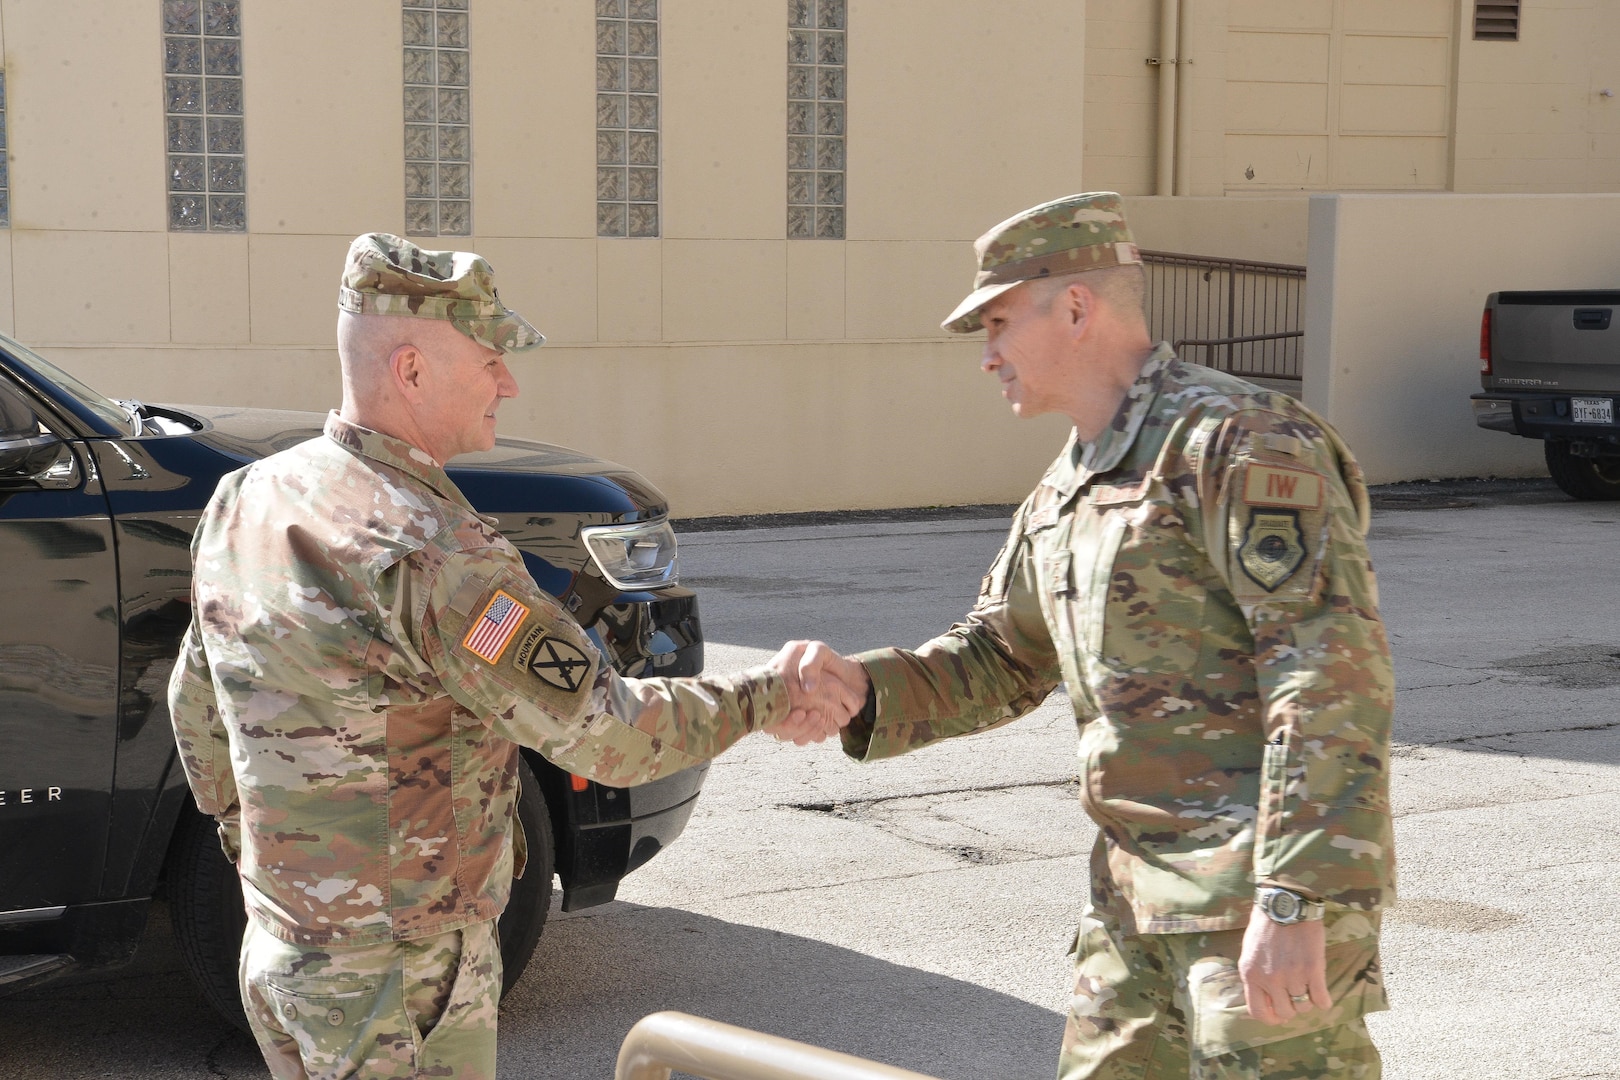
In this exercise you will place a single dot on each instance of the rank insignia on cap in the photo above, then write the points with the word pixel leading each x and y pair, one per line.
pixel 554 662
pixel 492 631
pixel 1273 547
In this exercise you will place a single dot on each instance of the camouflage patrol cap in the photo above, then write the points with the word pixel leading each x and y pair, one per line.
pixel 1065 236
pixel 385 275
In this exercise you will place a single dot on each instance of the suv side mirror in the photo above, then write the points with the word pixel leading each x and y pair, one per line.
pixel 42 459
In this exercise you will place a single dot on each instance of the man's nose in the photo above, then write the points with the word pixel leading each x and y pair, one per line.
pixel 989 360
pixel 506 386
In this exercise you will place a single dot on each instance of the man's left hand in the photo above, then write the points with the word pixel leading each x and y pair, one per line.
pixel 1284 969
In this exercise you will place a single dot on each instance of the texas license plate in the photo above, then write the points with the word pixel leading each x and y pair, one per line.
pixel 1592 410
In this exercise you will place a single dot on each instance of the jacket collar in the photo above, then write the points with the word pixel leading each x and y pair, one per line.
pixel 1080 461
pixel 396 454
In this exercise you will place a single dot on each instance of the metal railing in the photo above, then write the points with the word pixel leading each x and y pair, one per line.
pixel 1238 316
pixel 665 1041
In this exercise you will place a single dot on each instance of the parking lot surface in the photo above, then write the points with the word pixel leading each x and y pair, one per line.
pixel 917 911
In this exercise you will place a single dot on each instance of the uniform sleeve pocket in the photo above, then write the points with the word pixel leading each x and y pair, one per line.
pixel 1269 816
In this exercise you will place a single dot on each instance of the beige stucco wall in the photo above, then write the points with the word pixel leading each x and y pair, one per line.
pixel 1323 95
pixel 1267 228
pixel 741 371
pixel 1393 299
pixel 1531 114
pixel 738 370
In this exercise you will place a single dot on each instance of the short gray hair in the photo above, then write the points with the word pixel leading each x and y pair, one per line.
pixel 1123 288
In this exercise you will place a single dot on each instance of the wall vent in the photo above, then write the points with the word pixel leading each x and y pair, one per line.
pixel 1496 20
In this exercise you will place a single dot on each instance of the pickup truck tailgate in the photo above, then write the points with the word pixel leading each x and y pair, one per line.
pixel 1555 339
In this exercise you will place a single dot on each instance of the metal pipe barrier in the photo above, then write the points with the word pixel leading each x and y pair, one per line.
pixel 1244 317
pixel 666 1041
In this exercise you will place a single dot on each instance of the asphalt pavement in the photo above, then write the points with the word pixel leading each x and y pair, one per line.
pixel 917 911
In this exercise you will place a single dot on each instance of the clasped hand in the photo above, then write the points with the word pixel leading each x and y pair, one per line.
pixel 825 690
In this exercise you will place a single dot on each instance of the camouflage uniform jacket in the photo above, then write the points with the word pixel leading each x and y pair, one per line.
pixel 365 657
pixel 1198 579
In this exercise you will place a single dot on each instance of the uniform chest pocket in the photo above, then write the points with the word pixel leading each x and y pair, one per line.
pixel 1077 572
pixel 1153 582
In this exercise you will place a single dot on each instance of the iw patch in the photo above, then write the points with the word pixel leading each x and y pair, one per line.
pixel 553 661
pixel 1269 485
pixel 1273 547
pixel 492 630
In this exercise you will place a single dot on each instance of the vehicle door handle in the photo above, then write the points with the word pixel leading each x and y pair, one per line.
pixel 1593 318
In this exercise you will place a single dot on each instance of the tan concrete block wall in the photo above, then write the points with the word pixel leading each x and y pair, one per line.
pixel 1531 116
pixel 786 351
pixel 725 120
pixel 209 294
pixel 85 137
pixel 1266 228
pixel 1392 344
pixel 533 117
pixel 761 427
pixel 725 290
pixel 1122 95
pixel 961 113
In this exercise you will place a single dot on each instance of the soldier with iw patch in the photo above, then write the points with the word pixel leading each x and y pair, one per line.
pixel 1193 570
pixel 366 656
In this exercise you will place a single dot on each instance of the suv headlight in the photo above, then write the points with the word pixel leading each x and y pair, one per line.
pixel 633 557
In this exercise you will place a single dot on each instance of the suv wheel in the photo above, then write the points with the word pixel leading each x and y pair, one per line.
pixel 1582 477
pixel 205 902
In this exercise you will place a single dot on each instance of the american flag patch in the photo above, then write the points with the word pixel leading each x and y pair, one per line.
pixel 492 631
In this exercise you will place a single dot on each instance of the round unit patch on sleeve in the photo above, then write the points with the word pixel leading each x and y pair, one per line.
pixel 491 632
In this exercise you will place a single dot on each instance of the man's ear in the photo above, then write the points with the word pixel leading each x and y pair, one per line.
pixel 1080 304
pixel 408 367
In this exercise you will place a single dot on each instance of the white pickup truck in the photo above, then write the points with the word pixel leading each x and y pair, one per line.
pixel 1550 368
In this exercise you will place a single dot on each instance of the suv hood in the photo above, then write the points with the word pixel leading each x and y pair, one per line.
pixel 504 479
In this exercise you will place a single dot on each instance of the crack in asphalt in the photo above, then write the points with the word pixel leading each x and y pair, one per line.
pixel 1443 686
pixel 1608 725
pixel 835 806
pixel 1496 804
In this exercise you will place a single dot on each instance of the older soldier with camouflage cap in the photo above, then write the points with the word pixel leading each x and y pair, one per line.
pixel 1193 570
pixel 365 658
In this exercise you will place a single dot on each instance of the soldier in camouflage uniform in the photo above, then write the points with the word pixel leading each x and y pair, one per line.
pixel 1193 570
pixel 366 656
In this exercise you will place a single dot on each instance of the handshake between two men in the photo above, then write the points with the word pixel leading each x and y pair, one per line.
pixel 827 691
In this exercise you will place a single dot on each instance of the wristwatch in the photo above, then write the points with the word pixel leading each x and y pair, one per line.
pixel 1285 907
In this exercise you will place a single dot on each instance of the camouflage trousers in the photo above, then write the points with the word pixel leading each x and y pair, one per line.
pixel 423 1008
pixel 1170 1006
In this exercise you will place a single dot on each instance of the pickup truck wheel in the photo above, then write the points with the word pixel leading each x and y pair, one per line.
pixel 205 902
pixel 1581 477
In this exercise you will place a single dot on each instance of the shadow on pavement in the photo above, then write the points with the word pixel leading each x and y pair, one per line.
pixel 146 1019
pixel 599 971
pixel 594 975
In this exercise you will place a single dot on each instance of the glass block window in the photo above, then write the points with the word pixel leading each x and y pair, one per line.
pixel 5 160
pixel 815 110
pixel 202 93
pixel 438 119
pixel 627 117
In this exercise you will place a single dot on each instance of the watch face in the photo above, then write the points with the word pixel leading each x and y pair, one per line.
pixel 1282 905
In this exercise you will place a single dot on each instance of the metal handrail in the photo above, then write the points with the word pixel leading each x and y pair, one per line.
pixel 1245 315
pixel 1214 263
pixel 665 1041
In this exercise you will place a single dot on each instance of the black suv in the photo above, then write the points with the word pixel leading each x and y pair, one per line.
pixel 98 501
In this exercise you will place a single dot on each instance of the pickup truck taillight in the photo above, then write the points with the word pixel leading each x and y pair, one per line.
pixel 1485 343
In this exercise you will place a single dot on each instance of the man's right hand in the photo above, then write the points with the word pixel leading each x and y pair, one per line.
pixel 826 691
